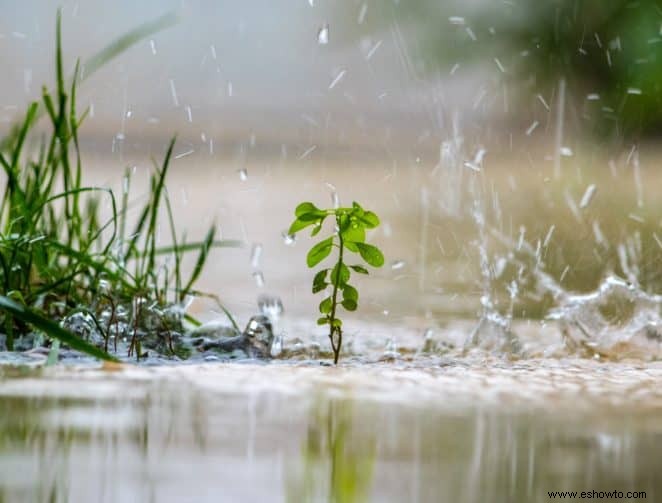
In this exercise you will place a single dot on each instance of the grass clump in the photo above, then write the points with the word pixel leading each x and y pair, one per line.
pixel 350 232
pixel 59 258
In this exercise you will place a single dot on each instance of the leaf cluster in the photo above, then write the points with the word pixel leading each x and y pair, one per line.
pixel 351 224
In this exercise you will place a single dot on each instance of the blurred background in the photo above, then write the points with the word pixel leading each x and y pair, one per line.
pixel 546 113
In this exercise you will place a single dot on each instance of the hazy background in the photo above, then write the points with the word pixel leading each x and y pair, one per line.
pixel 557 92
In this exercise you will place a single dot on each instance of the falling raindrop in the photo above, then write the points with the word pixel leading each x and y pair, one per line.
pixel 398 264
pixel 323 34
pixel 338 78
pixel 256 254
pixel 243 174
pixel 532 128
pixel 259 278
pixel 362 13
pixel 173 92
pixel 153 46
pixel 588 196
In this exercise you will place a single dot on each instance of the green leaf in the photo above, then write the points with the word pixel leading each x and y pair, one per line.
pixel 319 282
pixel 316 229
pixel 319 252
pixel 340 275
pixel 312 217
pixel 354 233
pixel 318 287
pixel 359 269
pixel 297 225
pixel 357 209
pixel 350 293
pixel 304 208
pixel 349 304
pixel 337 323
pixel 369 219
pixel 325 305
pixel 322 321
pixel 371 254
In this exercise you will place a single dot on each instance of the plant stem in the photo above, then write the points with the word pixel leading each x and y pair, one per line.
pixel 334 302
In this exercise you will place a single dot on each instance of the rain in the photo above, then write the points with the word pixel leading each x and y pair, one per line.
pixel 324 251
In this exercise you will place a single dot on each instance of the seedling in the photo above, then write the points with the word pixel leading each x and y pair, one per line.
pixel 349 235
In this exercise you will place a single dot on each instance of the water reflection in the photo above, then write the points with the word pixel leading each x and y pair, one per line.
pixel 337 458
pixel 166 440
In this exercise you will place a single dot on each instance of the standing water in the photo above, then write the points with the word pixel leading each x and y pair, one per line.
pixel 512 347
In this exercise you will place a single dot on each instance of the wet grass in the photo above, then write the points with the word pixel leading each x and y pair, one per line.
pixel 58 254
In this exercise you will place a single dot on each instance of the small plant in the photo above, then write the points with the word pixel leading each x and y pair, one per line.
pixel 350 226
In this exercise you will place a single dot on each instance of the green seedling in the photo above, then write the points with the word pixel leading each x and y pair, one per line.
pixel 349 235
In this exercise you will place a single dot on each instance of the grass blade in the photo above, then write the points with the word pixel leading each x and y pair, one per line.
pixel 52 329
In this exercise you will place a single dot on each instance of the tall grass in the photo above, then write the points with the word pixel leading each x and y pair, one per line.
pixel 57 253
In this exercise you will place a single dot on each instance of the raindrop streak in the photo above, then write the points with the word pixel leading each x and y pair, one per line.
pixel 372 51
pixel 153 47
pixel 256 254
pixel 173 91
pixel 340 75
pixel 548 238
pixel 560 123
pixel 323 35
pixel 532 128
pixel 634 90
pixel 259 278
pixel 398 264
pixel 657 240
pixel 542 100
pixel 335 200
pixel 307 152
pixel 243 174
pixel 362 13
pixel 588 196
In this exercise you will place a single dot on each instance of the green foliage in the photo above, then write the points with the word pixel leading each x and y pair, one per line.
pixel 350 233
pixel 609 48
pixel 57 252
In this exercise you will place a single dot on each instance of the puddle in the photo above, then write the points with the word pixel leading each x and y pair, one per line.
pixel 463 430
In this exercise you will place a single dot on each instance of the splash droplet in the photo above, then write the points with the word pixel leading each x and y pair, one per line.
pixel 289 239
